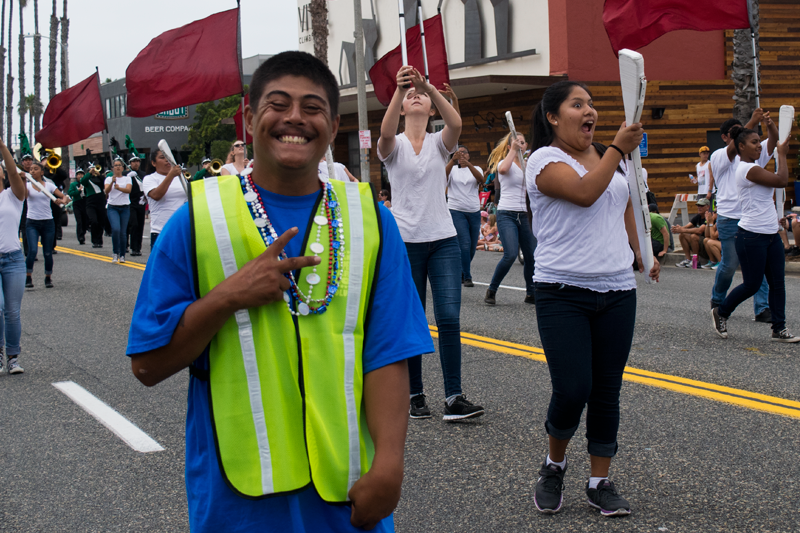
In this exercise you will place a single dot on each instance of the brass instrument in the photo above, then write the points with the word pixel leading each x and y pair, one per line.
pixel 98 168
pixel 187 175
pixel 216 166
pixel 53 159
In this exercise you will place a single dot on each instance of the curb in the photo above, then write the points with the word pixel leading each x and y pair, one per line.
pixel 671 259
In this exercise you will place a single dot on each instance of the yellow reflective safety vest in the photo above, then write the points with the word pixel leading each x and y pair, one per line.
pixel 286 392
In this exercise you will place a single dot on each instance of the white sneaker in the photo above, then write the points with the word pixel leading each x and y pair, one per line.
pixel 684 264
pixel 122 259
pixel 115 259
pixel 13 366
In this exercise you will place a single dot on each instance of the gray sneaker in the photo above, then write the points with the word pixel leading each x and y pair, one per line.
pixel 2 365
pixel 720 323
pixel 784 336
pixel 606 498
pixel 13 366
pixel 684 264
pixel 548 496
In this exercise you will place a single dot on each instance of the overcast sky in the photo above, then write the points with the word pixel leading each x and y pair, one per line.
pixel 109 35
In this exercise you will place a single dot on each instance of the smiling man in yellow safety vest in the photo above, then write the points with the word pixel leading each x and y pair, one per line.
pixel 290 300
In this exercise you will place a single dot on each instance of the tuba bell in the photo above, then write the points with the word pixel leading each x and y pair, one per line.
pixel 53 159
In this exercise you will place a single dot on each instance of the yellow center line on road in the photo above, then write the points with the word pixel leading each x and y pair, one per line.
pixel 98 257
pixel 711 391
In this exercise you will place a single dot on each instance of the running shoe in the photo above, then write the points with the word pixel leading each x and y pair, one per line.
pixel 461 409
pixel 548 496
pixel 708 266
pixel 28 282
pixel 764 316
pixel 13 366
pixel 606 498
pixel 468 283
pixel 684 264
pixel 122 259
pixel 784 336
pixel 115 258
pixel 48 283
pixel 489 298
pixel 530 299
pixel 419 407
pixel 720 323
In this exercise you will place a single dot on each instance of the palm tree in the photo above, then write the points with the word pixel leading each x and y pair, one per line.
pixel 9 78
pixel 22 5
pixel 319 28
pixel 37 61
pixel 2 63
pixel 742 72
pixel 32 106
pixel 53 36
pixel 64 38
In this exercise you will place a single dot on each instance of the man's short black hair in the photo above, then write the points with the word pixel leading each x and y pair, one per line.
pixel 299 64
pixel 728 124
pixel 653 208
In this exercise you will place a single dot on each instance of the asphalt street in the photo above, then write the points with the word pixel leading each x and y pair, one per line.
pixel 686 463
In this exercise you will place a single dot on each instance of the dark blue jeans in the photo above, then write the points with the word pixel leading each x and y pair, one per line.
pixel 12 287
pixel 586 336
pixel 760 256
pixel 46 229
pixel 515 233
pixel 468 228
pixel 728 228
pixel 118 216
pixel 440 262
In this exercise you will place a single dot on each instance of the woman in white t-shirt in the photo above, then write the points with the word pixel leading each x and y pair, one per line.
pixel 584 283
pixel 463 180
pixel 758 243
pixel 164 193
pixel 12 264
pixel 236 160
pixel 703 169
pixel 118 188
pixel 415 161
pixel 512 216
pixel 39 223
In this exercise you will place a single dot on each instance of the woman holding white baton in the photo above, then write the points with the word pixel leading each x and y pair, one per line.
pixel 118 188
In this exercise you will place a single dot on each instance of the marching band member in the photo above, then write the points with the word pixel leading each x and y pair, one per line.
pixel 93 185
pixel 138 203
pixel 76 192
pixel 164 193
pixel 26 161
pixel 40 224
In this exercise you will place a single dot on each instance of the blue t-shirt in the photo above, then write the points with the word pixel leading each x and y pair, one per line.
pixel 397 329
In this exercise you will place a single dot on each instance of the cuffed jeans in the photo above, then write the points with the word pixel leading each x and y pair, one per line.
pixel 440 262
pixel 118 216
pixel 586 336
pixel 468 228
pixel 515 233
pixel 12 287
pixel 46 229
pixel 728 227
pixel 761 256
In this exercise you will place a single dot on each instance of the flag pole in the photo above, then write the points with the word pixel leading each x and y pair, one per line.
pixel 403 49
pixel 422 35
pixel 361 88
pixel 241 70
pixel 751 15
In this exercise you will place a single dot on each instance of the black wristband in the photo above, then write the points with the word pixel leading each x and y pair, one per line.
pixel 618 150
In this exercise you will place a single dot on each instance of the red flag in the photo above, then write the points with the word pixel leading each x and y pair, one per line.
pixel 635 23
pixel 238 119
pixel 195 63
pixel 73 115
pixel 384 73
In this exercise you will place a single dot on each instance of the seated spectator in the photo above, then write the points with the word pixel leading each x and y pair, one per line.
pixel 490 239
pixel 711 241
pixel 659 234
pixel 385 197
pixel 692 234
pixel 790 223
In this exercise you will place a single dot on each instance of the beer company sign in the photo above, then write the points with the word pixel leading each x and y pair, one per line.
pixel 180 112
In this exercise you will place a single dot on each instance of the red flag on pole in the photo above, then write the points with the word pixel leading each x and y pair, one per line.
pixel 73 115
pixel 633 23
pixel 195 63
pixel 384 73
pixel 238 118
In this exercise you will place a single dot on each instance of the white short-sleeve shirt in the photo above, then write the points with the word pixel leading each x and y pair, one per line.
pixel 462 190
pixel 39 202
pixel 702 177
pixel 161 210
pixel 418 188
pixel 341 175
pixel 580 246
pixel 728 204
pixel 512 197
pixel 119 198
pixel 10 213
pixel 758 208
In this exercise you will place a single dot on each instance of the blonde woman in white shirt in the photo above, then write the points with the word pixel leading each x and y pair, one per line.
pixel 118 188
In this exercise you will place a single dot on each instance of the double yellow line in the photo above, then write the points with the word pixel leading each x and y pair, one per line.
pixel 711 391
pixel 98 257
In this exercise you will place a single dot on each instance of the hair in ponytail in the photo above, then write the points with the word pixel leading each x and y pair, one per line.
pixel 555 95
pixel 740 135
pixel 499 153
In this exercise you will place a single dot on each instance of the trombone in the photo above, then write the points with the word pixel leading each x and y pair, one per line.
pixel 216 166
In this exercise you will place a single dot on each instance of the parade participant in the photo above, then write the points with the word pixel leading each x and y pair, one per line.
pixel 415 161
pixel 758 244
pixel 512 216
pixel 237 157
pixel 137 208
pixel 165 194
pixel 60 179
pixel 93 184
pixel 729 210
pixel 204 172
pixel 200 299
pixel 76 192
pixel 703 169
pixel 12 265
pixel 40 224
pixel 118 188
pixel 585 309
pixel 27 161
pixel 463 180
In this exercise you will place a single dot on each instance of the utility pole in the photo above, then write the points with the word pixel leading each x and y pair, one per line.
pixel 361 87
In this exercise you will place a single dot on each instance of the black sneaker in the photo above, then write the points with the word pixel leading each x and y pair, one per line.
pixel 419 407
pixel 548 495
pixel 461 409
pixel 28 282
pixel 794 251
pixel 468 283
pixel 489 298
pixel 530 299
pixel 606 498
pixel 714 304
pixel 764 316
pixel 784 336
pixel 720 323
pixel 48 283
pixel 95 245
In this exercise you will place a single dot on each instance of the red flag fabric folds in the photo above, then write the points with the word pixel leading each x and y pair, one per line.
pixel 73 115
pixel 195 63
pixel 635 23
pixel 384 73
pixel 238 119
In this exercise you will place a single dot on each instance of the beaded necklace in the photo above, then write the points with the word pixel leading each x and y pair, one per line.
pixel 329 215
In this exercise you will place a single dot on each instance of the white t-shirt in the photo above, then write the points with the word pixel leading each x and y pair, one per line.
pixel 702 178
pixel 341 175
pixel 231 169
pixel 116 197
pixel 580 246
pixel 418 185
pixel 39 202
pixel 724 170
pixel 644 177
pixel 758 208
pixel 10 213
pixel 512 197
pixel 462 190
pixel 162 210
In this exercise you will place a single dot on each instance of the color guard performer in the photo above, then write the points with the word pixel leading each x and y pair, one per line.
pixel 138 206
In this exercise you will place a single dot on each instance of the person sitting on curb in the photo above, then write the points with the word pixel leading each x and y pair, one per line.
pixel 711 241
pixel 691 235
pixel 790 223
pixel 660 234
